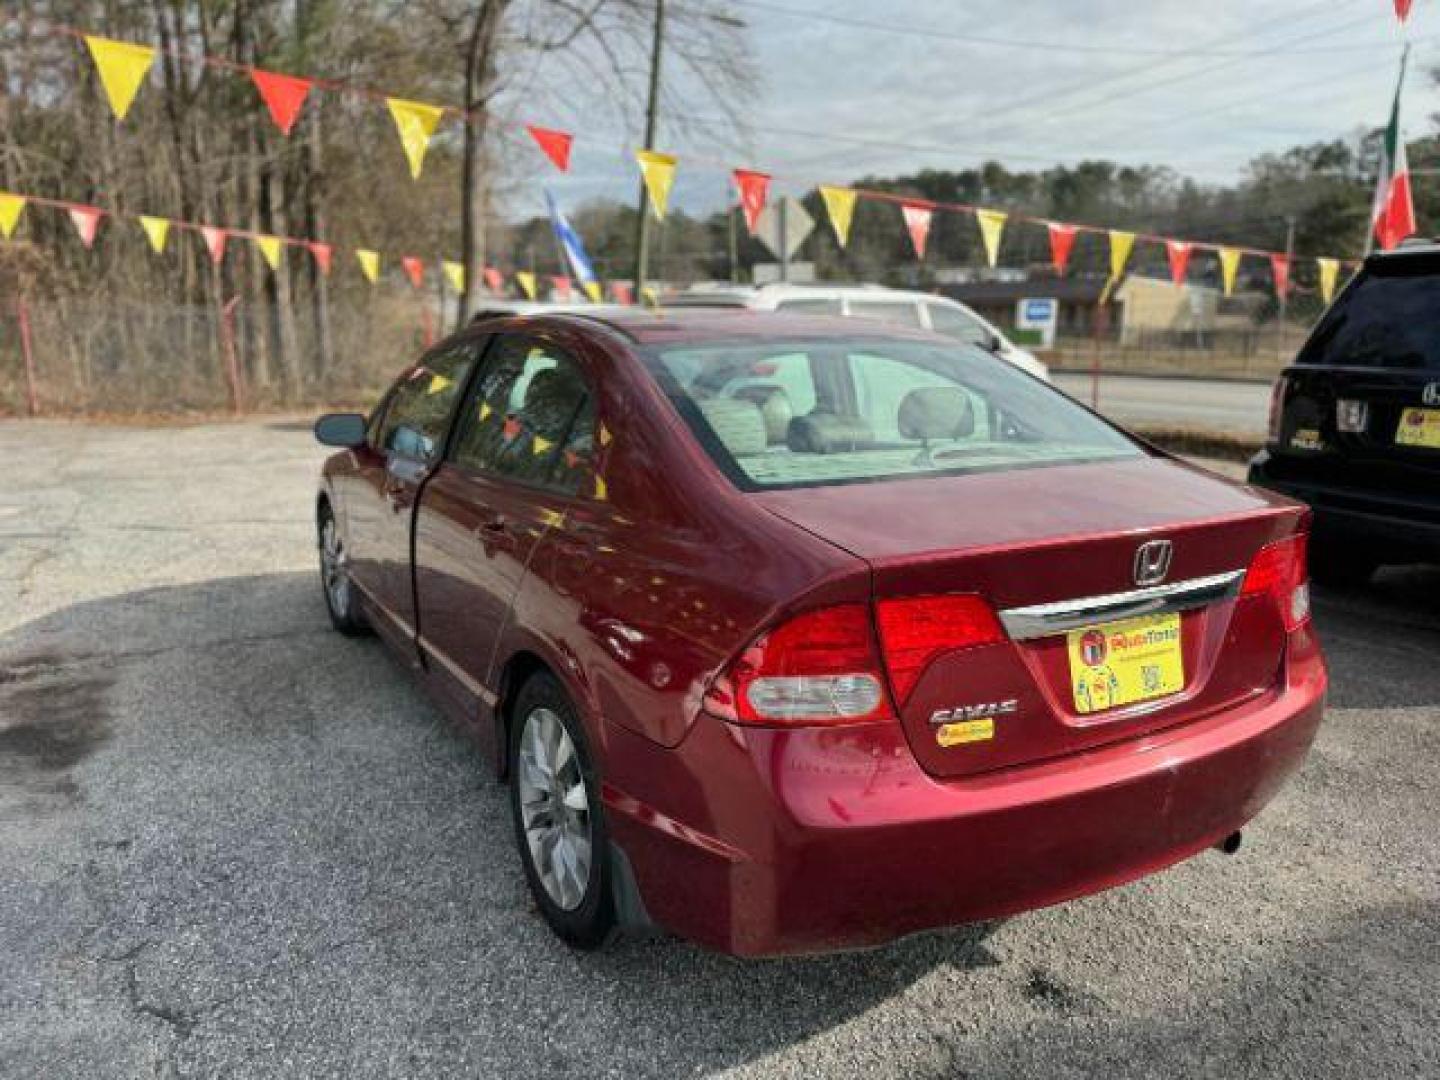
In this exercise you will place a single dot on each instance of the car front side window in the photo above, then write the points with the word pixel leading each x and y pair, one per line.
pixel 414 421
pixel 529 417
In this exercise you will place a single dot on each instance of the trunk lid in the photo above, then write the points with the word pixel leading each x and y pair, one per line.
pixel 1053 536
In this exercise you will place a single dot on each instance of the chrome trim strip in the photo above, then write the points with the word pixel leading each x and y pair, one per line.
pixel 1043 620
pixel 473 686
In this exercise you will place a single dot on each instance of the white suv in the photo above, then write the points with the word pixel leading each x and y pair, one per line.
pixel 896 306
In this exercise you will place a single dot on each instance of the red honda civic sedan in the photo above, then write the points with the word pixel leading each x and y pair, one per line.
pixel 800 634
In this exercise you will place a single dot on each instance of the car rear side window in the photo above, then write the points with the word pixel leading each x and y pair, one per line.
pixel 419 407
pixel 896 313
pixel 1390 318
pixel 810 306
pixel 873 409
pixel 529 417
pixel 952 322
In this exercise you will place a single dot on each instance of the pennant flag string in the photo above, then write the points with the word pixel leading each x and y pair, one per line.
pixel 1229 267
pixel 283 96
pixel 840 205
pixel 416 122
pixel 214 242
pixel 1329 274
pixel 157 231
pixel 1062 242
pixel 658 172
pixel 554 144
pixel 86 220
pixel 992 224
pixel 122 67
pixel 917 224
pixel 11 207
pixel 754 187
pixel 1178 251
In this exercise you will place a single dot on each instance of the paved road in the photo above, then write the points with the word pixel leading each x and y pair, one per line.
pixel 1238 408
pixel 233 843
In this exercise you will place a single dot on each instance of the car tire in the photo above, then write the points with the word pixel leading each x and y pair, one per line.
pixel 559 825
pixel 339 591
pixel 1338 565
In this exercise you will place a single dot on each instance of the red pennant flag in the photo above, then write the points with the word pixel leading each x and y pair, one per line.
pixel 560 285
pixel 215 242
pixel 624 294
pixel 86 220
pixel 283 95
pixel 1280 267
pixel 1062 242
pixel 917 222
pixel 1179 253
pixel 754 187
pixel 414 270
pixel 510 430
pixel 555 144
pixel 322 253
pixel 1402 9
pixel 494 280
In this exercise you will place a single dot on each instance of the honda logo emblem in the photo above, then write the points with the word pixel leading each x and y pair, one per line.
pixel 1431 394
pixel 1152 562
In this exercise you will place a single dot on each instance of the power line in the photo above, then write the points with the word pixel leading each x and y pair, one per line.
pixel 1028 44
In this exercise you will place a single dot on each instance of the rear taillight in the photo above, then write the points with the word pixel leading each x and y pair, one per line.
pixel 915 630
pixel 820 667
pixel 1277 407
pixel 1279 571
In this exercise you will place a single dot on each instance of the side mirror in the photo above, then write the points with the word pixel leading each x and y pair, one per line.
pixel 342 429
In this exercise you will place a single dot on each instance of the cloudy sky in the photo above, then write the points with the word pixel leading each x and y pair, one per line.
pixel 856 87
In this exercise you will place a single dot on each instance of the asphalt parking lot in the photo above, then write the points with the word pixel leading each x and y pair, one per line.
pixel 234 843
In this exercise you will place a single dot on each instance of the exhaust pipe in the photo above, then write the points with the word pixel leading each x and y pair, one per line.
pixel 1231 844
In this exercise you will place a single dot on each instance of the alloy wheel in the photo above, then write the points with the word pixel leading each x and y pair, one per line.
pixel 334 568
pixel 554 808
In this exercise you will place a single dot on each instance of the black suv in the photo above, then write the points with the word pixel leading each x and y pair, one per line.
pixel 1355 421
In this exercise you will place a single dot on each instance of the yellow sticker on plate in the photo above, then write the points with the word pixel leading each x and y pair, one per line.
pixel 1121 663
pixel 966 731
pixel 1419 427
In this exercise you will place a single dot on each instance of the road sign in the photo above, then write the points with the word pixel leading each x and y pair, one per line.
pixel 793 219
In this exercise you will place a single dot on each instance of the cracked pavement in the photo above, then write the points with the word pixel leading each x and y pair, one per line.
pixel 234 843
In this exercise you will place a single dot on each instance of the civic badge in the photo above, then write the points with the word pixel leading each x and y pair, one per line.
pixel 1152 562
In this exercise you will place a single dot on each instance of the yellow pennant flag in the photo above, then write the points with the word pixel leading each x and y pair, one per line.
pixel 1329 274
pixel 122 68
pixel 1229 268
pixel 416 122
pixel 840 205
pixel 658 171
pixel 270 248
pixel 439 384
pixel 992 224
pixel 157 231
pixel 593 291
pixel 454 274
pixel 10 208
pixel 538 445
pixel 369 264
pixel 1121 244
pixel 527 283
pixel 650 296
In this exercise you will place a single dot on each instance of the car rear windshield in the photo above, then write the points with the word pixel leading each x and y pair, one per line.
pixel 804 413
pixel 1390 318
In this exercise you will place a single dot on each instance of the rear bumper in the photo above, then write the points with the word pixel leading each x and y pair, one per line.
pixel 1401 525
pixel 810 841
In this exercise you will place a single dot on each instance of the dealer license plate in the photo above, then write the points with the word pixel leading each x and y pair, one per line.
pixel 1419 427
pixel 1120 663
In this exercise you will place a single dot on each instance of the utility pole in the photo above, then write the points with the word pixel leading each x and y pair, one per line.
pixel 652 108
pixel 1285 295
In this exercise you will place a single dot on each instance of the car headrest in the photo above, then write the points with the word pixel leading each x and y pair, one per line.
pixel 822 432
pixel 774 406
pixel 739 425
pixel 937 412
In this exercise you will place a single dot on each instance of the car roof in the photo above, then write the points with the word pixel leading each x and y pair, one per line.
pixel 669 326
pixel 777 291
